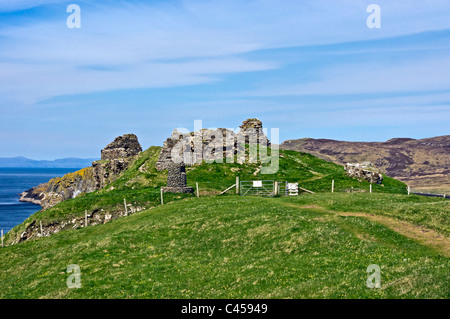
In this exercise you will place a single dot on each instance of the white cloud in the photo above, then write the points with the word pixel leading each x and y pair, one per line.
pixel 129 45
pixel 45 81
pixel 417 75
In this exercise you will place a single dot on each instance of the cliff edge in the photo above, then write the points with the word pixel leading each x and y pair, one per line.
pixel 115 159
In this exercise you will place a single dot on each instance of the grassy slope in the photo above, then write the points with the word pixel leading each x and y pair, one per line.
pixel 243 247
pixel 311 172
pixel 231 246
pixel 417 210
pixel 140 184
pixel 139 188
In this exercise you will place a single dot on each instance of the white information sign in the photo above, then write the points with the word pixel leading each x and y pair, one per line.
pixel 293 189
pixel 293 186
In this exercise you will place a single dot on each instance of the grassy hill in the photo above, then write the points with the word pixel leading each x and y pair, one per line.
pixel 311 246
pixel 140 185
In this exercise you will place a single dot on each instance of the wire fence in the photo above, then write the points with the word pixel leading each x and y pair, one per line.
pixel 284 188
pixel 270 188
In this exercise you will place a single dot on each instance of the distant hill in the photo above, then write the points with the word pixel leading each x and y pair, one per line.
pixel 71 162
pixel 424 164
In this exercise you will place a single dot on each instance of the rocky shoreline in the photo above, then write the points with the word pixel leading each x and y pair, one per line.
pixel 30 196
pixel 115 159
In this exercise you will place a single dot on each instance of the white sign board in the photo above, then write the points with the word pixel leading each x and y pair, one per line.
pixel 293 189
pixel 293 186
pixel 257 183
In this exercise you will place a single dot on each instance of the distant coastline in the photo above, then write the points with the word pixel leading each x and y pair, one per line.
pixel 13 181
pixel 23 162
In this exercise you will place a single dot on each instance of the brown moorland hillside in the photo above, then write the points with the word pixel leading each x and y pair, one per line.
pixel 423 164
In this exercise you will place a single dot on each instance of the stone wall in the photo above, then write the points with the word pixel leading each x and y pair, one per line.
pixel 219 142
pixel 98 216
pixel 364 171
pixel 176 175
pixel 176 179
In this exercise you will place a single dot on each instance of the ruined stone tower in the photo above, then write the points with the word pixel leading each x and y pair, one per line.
pixel 176 179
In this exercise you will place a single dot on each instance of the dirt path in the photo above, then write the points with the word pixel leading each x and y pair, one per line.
pixel 421 234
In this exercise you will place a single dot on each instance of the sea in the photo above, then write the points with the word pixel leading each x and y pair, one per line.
pixel 14 181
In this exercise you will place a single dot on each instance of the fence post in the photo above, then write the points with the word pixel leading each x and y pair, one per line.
pixel 125 205
pixel 237 185
pixel 332 186
pixel 275 188
pixel 42 232
pixel 409 189
pixel 196 187
pixel 85 218
pixel 371 187
pixel 162 198
pixel 2 238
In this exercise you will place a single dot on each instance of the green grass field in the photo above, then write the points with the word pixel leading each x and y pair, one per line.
pixel 310 246
pixel 140 185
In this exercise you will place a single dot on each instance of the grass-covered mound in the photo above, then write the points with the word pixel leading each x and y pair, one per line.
pixel 243 247
pixel 140 185
pixel 309 171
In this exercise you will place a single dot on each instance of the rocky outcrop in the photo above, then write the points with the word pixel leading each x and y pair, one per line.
pixel 210 144
pixel 115 159
pixel 106 171
pixel 253 129
pixel 364 171
pixel 61 188
pixel 122 147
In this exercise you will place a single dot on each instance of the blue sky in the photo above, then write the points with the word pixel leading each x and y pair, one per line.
pixel 310 68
